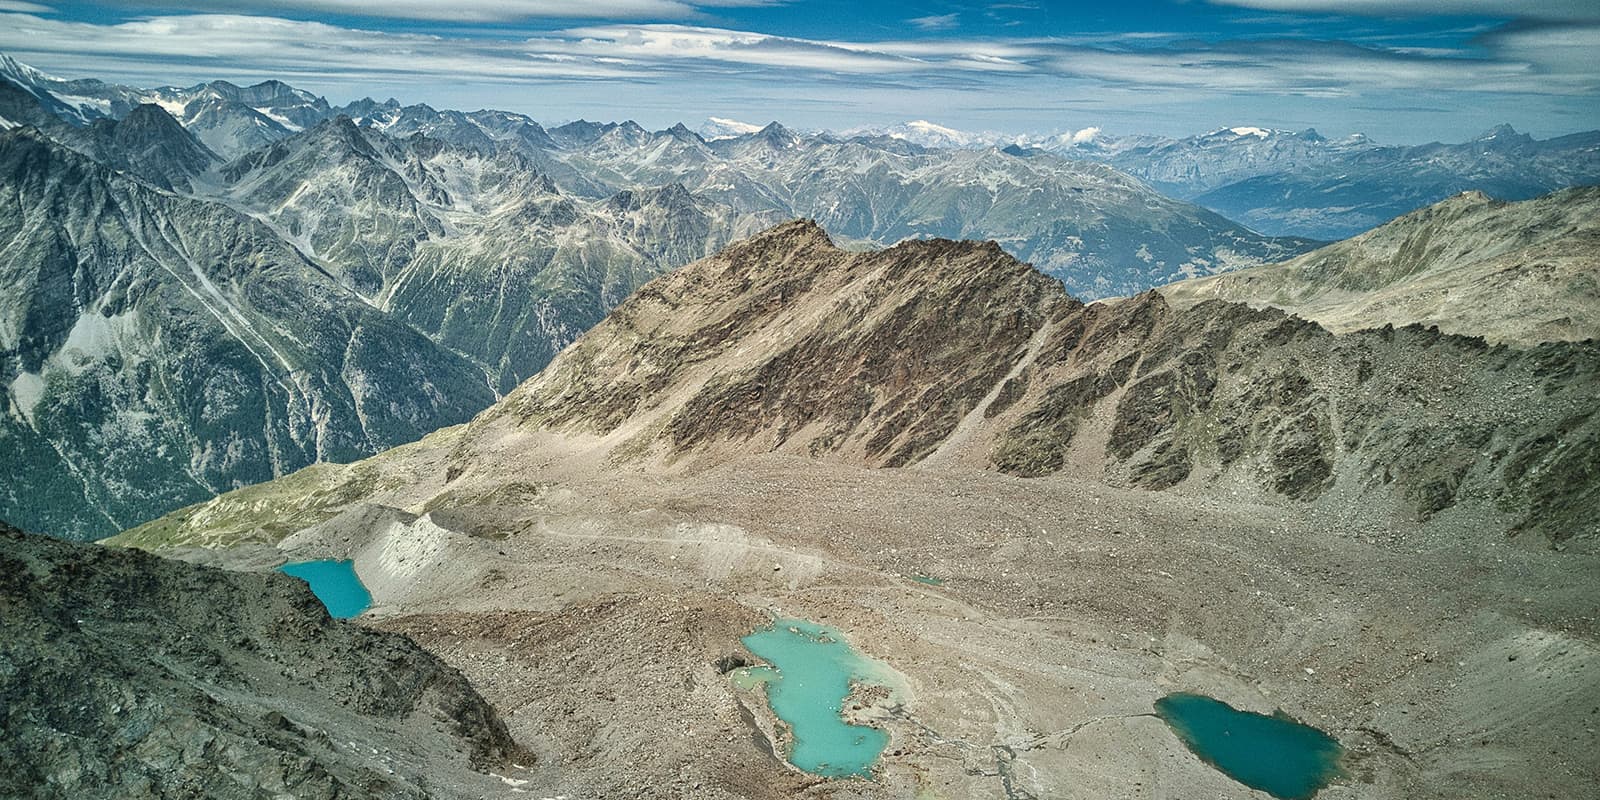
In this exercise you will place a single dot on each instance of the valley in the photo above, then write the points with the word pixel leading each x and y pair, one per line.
pixel 595 612
pixel 591 551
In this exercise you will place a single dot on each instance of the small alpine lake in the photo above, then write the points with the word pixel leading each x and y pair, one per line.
pixel 1275 754
pixel 812 672
pixel 334 583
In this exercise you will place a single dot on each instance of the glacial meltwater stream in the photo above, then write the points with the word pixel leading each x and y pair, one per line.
pixel 334 583
pixel 1275 754
pixel 811 674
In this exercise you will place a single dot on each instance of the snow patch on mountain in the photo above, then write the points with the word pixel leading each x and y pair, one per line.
pixel 26 391
pixel 278 118
pixel 723 128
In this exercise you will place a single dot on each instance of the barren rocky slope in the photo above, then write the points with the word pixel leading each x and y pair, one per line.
pixel 1520 273
pixel 785 343
pixel 127 675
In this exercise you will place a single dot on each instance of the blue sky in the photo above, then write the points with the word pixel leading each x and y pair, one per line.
pixel 1398 70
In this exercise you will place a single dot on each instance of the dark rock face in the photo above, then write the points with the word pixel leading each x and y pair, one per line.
pixel 149 143
pixel 127 675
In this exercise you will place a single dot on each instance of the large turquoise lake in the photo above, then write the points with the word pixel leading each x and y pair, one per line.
pixel 811 673
pixel 334 583
pixel 1274 754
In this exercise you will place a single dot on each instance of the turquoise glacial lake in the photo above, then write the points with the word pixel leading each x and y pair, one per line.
pixel 811 673
pixel 1275 754
pixel 334 583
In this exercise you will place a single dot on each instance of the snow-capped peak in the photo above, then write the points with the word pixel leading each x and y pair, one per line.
pixel 929 128
pixel 1259 133
pixel 723 128
pixel 23 74
pixel 931 134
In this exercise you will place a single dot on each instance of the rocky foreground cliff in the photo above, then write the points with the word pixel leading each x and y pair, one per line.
pixel 127 675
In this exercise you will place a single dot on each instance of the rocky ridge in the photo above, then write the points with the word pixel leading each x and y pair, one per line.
pixel 785 343
pixel 1519 273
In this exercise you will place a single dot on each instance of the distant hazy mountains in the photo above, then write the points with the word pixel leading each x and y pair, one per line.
pixel 1300 183
pixel 1519 273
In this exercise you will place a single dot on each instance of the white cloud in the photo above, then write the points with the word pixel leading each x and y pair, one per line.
pixel 1532 9
pixel 1528 59
pixel 686 44
pixel 940 22
pixel 1084 135
pixel 463 10
pixel 1317 69
pixel 220 45
pixel 24 8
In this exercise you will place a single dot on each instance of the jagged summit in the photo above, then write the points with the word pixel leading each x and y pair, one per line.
pixel 681 131
pixel 877 351
pixel 151 144
pixel 1501 131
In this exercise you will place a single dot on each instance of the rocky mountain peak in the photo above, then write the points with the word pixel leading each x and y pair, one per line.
pixel 22 74
pixel 1504 129
pixel 340 133
pixel 879 353
pixel 1503 136
pixel 777 136
pixel 150 143
pixel 681 132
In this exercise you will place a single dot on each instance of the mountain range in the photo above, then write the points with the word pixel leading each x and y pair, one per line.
pixel 377 271
pixel 1300 183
